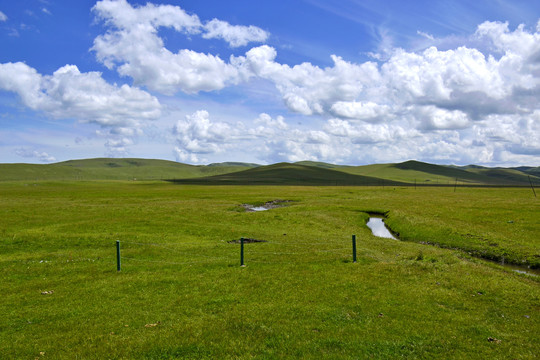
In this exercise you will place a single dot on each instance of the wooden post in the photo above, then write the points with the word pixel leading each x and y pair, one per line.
pixel 532 187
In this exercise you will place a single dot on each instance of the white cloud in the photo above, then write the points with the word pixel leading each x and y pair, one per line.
pixel 443 97
pixel 40 155
pixel 132 46
pixel 433 118
pixel 308 89
pixel 69 94
pixel 196 135
pixel 368 111
pixel 425 35
pixel 3 17
pixel 235 35
pixel 267 120
pixel 474 101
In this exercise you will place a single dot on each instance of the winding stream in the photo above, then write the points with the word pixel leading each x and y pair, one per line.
pixel 379 229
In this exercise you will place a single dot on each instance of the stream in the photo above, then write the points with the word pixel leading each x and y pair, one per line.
pixel 379 229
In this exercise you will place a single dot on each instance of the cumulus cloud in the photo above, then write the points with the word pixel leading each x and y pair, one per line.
pixel 474 101
pixel 197 135
pixel 235 35
pixel 120 111
pixel 433 118
pixel 368 111
pixel 68 93
pixel 34 154
pixel 132 46
pixel 449 98
pixel 267 121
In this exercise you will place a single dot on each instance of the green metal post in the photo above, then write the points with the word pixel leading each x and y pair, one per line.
pixel 118 255
pixel 242 252
pixel 354 248
pixel 532 187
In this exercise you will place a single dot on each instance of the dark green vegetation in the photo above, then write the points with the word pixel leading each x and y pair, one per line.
pixel 301 173
pixel 289 174
pixel 181 293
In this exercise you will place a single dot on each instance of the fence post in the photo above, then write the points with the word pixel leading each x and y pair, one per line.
pixel 242 252
pixel 532 187
pixel 354 248
pixel 117 255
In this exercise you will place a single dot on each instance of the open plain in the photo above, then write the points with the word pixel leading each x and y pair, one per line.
pixel 181 292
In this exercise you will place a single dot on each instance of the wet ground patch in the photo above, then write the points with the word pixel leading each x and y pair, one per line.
pixel 266 206
pixel 246 241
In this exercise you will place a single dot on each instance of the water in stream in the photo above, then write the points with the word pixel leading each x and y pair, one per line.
pixel 379 229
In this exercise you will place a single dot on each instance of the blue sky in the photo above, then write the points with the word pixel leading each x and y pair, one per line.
pixel 349 82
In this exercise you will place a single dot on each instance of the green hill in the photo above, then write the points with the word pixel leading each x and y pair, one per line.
pixel 529 170
pixel 289 174
pixel 430 174
pixel 111 169
pixel 300 173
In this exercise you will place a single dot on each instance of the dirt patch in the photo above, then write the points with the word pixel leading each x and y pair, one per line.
pixel 266 206
pixel 247 241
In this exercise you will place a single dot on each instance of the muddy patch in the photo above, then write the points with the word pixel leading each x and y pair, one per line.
pixel 246 241
pixel 266 206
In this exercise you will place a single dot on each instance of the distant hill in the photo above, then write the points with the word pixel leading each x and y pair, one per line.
pixel 423 173
pixel 238 164
pixel 300 173
pixel 112 169
pixel 534 171
pixel 289 174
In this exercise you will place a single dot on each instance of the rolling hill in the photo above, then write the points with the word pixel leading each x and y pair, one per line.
pixel 300 173
pixel 113 169
pixel 290 174
pixel 430 174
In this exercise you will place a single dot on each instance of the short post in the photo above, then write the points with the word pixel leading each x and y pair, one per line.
pixel 242 252
pixel 117 255
pixel 532 187
pixel 354 248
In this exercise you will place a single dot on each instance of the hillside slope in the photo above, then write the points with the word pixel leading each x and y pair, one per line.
pixel 112 169
pixel 300 173
pixel 430 174
pixel 289 174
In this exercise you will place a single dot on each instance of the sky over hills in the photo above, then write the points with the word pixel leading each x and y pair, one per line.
pixel 351 82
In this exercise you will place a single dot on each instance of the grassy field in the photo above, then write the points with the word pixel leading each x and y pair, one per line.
pixel 182 294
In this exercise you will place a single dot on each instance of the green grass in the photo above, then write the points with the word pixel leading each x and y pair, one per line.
pixel 300 295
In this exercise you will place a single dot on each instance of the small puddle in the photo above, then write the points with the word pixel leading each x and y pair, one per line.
pixel 520 269
pixel 266 206
pixel 258 208
pixel 378 227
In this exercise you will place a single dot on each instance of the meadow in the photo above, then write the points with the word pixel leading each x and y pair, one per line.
pixel 182 294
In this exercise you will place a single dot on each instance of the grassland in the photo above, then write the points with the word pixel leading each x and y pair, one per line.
pixel 182 294
pixel 302 173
